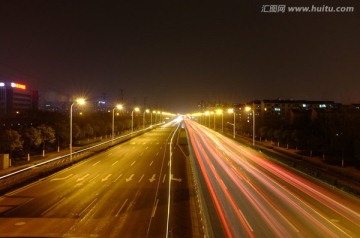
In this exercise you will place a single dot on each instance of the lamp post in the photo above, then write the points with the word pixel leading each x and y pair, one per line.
pixel 220 111
pixel 214 118
pixel 119 106
pixel 136 109
pixel 253 112
pixel 231 110
pixel 79 101
pixel 207 113
pixel 151 117
pixel 146 111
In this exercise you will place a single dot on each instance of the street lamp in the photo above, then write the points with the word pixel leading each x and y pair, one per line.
pixel 220 111
pixel 136 109
pixel 146 111
pixel 214 118
pixel 231 110
pixel 79 101
pixel 207 113
pixel 253 112
pixel 120 107
pixel 151 121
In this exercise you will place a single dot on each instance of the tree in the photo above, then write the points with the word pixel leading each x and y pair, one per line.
pixel 76 131
pixel 32 137
pixel 47 135
pixel 11 141
pixel 88 130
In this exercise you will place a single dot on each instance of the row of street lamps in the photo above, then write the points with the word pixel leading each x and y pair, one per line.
pixel 82 101
pixel 230 111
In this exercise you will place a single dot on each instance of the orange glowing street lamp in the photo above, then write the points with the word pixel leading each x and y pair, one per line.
pixel 136 109
pixel 231 110
pixel 119 107
pixel 80 101
pixel 220 111
pixel 253 112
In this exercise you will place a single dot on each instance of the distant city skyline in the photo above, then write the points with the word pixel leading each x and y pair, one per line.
pixel 177 54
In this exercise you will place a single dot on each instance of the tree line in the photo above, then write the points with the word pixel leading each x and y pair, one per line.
pixel 333 136
pixel 34 133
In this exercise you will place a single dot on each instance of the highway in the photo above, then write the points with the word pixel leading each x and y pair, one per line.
pixel 125 191
pixel 255 197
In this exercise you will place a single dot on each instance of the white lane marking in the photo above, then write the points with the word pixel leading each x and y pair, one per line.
pixel 164 178
pixel 287 220
pixel 106 178
pixel 246 221
pixel 117 214
pixel 152 179
pixel 51 207
pixel 175 179
pixel 141 178
pixel 94 177
pixel 56 179
pixel 86 208
pixel 151 163
pixel 96 163
pixel 132 163
pixel 115 163
pixel 130 178
pixel 155 207
pixel 118 178
pixel 82 178
pixel 157 153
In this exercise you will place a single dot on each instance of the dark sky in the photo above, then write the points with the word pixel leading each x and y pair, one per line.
pixel 177 53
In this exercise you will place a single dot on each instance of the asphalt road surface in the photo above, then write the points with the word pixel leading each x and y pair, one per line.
pixel 255 197
pixel 130 190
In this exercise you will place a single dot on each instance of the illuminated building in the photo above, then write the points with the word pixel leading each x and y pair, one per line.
pixel 16 97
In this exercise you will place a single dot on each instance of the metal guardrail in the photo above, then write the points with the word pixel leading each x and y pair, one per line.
pixel 207 228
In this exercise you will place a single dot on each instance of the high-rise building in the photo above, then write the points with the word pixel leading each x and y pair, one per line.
pixel 16 97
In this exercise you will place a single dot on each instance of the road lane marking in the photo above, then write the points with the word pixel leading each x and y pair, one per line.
pixel 141 178
pixel 152 179
pixel 86 208
pixel 57 179
pixel 133 163
pixel 118 178
pixel 246 221
pixel 106 178
pixel 157 153
pixel 82 178
pixel 117 214
pixel 114 163
pixel 94 177
pixel 175 179
pixel 52 207
pixel 293 226
pixel 164 178
pixel 154 209
pixel 130 178
pixel 96 163
pixel 151 163
pixel 78 185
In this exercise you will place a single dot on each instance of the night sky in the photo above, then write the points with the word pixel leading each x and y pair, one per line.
pixel 174 54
